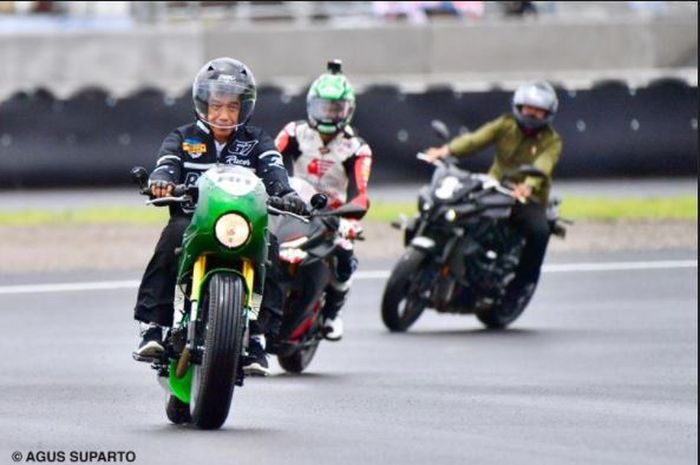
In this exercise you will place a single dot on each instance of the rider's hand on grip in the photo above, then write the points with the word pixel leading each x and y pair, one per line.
pixel 436 153
pixel 522 192
pixel 295 204
pixel 161 189
pixel 275 202
pixel 350 229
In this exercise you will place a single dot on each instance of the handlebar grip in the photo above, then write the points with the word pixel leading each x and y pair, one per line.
pixel 275 202
pixel 179 190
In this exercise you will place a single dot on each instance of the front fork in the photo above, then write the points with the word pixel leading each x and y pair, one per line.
pixel 198 277
pixel 200 267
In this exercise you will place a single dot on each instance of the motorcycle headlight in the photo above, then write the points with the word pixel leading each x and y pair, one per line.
pixel 448 187
pixel 232 230
pixel 290 251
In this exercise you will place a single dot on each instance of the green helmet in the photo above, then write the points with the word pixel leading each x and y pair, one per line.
pixel 330 102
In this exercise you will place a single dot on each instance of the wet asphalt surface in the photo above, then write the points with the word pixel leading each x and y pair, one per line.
pixel 601 368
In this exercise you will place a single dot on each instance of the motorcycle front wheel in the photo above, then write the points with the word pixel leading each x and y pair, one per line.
pixel 401 307
pixel 213 378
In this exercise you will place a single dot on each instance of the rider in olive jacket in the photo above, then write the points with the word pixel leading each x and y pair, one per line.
pixel 525 137
pixel 515 146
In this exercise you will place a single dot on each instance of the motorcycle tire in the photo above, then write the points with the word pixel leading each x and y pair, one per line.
pixel 502 315
pixel 299 360
pixel 395 317
pixel 213 378
pixel 177 411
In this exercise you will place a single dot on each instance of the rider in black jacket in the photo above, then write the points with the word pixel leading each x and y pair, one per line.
pixel 224 95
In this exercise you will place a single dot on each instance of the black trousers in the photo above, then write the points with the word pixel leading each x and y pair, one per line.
pixel 154 302
pixel 530 219
pixel 345 264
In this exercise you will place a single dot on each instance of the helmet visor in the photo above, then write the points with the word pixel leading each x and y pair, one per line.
pixel 216 95
pixel 329 111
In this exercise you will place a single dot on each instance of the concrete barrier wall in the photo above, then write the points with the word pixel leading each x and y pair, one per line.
pixel 94 139
pixel 167 58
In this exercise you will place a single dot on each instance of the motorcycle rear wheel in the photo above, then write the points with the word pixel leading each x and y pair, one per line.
pixel 399 309
pixel 299 360
pixel 177 411
pixel 500 316
pixel 213 379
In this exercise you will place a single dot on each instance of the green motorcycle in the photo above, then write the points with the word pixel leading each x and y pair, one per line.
pixel 223 253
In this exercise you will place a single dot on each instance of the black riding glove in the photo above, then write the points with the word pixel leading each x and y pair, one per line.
pixel 160 188
pixel 293 203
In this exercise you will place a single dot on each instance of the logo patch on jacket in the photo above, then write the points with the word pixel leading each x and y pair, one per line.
pixel 194 147
pixel 242 148
pixel 319 167
pixel 236 160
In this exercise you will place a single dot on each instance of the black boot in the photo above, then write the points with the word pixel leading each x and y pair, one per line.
pixel 331 314
pixel 256 363
pixel 151 345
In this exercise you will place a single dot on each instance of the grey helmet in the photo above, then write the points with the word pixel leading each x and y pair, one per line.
pixel 224 76
pixel 539 94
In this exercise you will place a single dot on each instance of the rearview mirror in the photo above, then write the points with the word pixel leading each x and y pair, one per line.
pixel 440 129
pixel 319 201
pixel 139 176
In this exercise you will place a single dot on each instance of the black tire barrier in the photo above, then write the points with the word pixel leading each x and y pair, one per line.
pixel 609 130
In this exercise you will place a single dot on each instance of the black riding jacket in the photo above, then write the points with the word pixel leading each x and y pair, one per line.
pixel 190 150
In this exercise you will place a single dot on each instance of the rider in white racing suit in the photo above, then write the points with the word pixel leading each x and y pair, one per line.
pixel 325 152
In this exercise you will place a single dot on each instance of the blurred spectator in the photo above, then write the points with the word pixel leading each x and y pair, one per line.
pixel 519 8
pixel 419 11
pixel 472 10
pixel 652 7
pixel 44 7
pixel 412 11
pixel 30 7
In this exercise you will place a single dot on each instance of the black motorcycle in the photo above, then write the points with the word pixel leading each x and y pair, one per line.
pixel 462 252
pixel 305 258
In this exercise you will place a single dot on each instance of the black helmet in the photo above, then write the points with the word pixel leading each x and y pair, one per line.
pixel 228 77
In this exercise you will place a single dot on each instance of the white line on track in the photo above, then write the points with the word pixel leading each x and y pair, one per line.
pixel 360 275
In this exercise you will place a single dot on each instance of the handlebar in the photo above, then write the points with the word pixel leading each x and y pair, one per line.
pixel 422 156
pixel 181 194
pixel 488 182
pixel 277 211
pixel 167 200
pixel 273 208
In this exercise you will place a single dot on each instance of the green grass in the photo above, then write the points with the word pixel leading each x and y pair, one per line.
pixel 679 208
pixel 576 208
pixel 583 208
pixel 111 215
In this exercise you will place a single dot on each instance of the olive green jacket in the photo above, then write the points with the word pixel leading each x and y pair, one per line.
pixel 514 148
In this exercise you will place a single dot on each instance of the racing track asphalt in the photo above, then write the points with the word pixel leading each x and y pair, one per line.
pixel 601 368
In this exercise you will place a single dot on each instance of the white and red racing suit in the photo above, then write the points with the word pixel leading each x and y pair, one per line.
pixel 339 169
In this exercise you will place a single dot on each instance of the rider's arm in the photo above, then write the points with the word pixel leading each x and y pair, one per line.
pixel 545 162
pixel 358 168
pixel 472 142
pixel 169 163
pixel 288 145
pixel 270 167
